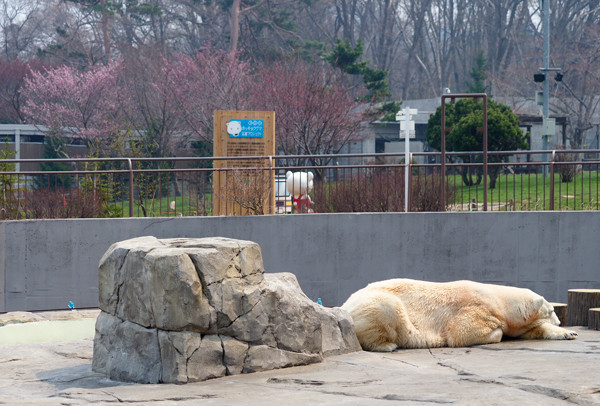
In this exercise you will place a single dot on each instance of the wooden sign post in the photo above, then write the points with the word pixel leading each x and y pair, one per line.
pixel 242 186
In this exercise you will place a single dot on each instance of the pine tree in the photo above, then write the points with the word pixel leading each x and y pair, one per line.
pixel 479 75
pixel 347 58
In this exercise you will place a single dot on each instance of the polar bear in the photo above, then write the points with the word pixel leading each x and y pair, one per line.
pixel 406 313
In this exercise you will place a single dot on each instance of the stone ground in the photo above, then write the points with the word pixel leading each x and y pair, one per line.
pixel 508 373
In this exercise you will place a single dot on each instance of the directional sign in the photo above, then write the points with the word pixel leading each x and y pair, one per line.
pixel 401 113
pixel 404 116
pixel 411 127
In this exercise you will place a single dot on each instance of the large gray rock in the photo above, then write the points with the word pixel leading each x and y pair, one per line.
pixel 183 310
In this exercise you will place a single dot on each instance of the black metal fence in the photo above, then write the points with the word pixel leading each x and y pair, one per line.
pixel 123 187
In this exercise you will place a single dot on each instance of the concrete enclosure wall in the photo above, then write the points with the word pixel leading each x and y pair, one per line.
pixel 44 264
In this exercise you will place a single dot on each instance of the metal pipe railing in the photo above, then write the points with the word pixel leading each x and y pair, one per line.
pixel 356 172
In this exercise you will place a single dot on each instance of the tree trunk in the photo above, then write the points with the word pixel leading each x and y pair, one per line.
pixel 235 25
pixel 493 172
pixel 580 301
pixel 105 31
pixel 467 176
pixel 594 318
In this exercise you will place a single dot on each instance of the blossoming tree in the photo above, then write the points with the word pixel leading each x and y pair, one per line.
pixel 84 104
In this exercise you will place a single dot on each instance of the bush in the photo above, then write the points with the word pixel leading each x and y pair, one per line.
pixel 566 171
pixel 426 193
pixel 380 190
pixel 57 203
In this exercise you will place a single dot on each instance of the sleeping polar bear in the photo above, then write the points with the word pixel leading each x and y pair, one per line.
pixel 405 313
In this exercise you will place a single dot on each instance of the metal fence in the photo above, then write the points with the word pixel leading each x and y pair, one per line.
pixel 123 187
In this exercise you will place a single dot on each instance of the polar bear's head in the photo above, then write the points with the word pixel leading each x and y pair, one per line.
pixel 547 312
pixel 234 128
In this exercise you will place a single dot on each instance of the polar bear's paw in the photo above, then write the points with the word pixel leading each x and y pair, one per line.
pixel 387 347
pixel 548 331
pixel 552 332
pixel 562 335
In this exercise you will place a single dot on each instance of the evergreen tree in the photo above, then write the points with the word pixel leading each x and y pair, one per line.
pixel 347 58
pixel 479 75
pixel 464 119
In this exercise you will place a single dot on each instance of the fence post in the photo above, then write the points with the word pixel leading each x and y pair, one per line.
pixel 130 187
pixel 409 184
pixel 272 174
pixel 485 153
pixel 443 155
pixel 552 180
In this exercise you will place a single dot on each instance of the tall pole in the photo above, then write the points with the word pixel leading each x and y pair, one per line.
pixel 406 157
pixel 406 126
pixel 546 63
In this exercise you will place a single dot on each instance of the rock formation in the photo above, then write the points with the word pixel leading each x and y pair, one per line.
pixel 183 310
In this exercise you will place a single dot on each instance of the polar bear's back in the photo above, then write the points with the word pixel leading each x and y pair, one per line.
pixel 425 295
pixel 462 292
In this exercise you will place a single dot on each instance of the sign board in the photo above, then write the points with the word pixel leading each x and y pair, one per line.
pixel 549 126
pixel 246 185
pixel 411 129
pixel 245 128
pixel 405 121
pixel 401 113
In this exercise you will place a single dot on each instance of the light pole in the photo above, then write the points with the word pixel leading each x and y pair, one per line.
pixel 548 124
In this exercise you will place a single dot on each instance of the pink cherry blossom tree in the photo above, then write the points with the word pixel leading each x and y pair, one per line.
pixel 165 100
pixel 68 101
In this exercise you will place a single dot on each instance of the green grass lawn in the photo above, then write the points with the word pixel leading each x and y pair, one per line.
pixel 531 192
pixel 164 207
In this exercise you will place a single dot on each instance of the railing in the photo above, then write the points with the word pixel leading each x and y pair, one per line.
pixel 122 187
pixel 526 180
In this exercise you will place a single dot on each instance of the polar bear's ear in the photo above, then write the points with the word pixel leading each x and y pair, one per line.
pixel 538 307
pixel 537 303
pixel 310 176
pixel 288 174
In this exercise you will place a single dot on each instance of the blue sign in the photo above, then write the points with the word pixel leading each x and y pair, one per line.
pixel 245 128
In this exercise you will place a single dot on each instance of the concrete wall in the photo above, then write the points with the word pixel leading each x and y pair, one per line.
pixel 46 263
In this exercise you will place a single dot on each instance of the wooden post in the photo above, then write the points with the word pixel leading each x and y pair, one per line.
pixel 594 318
pixel 561 312
pixel 579 302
